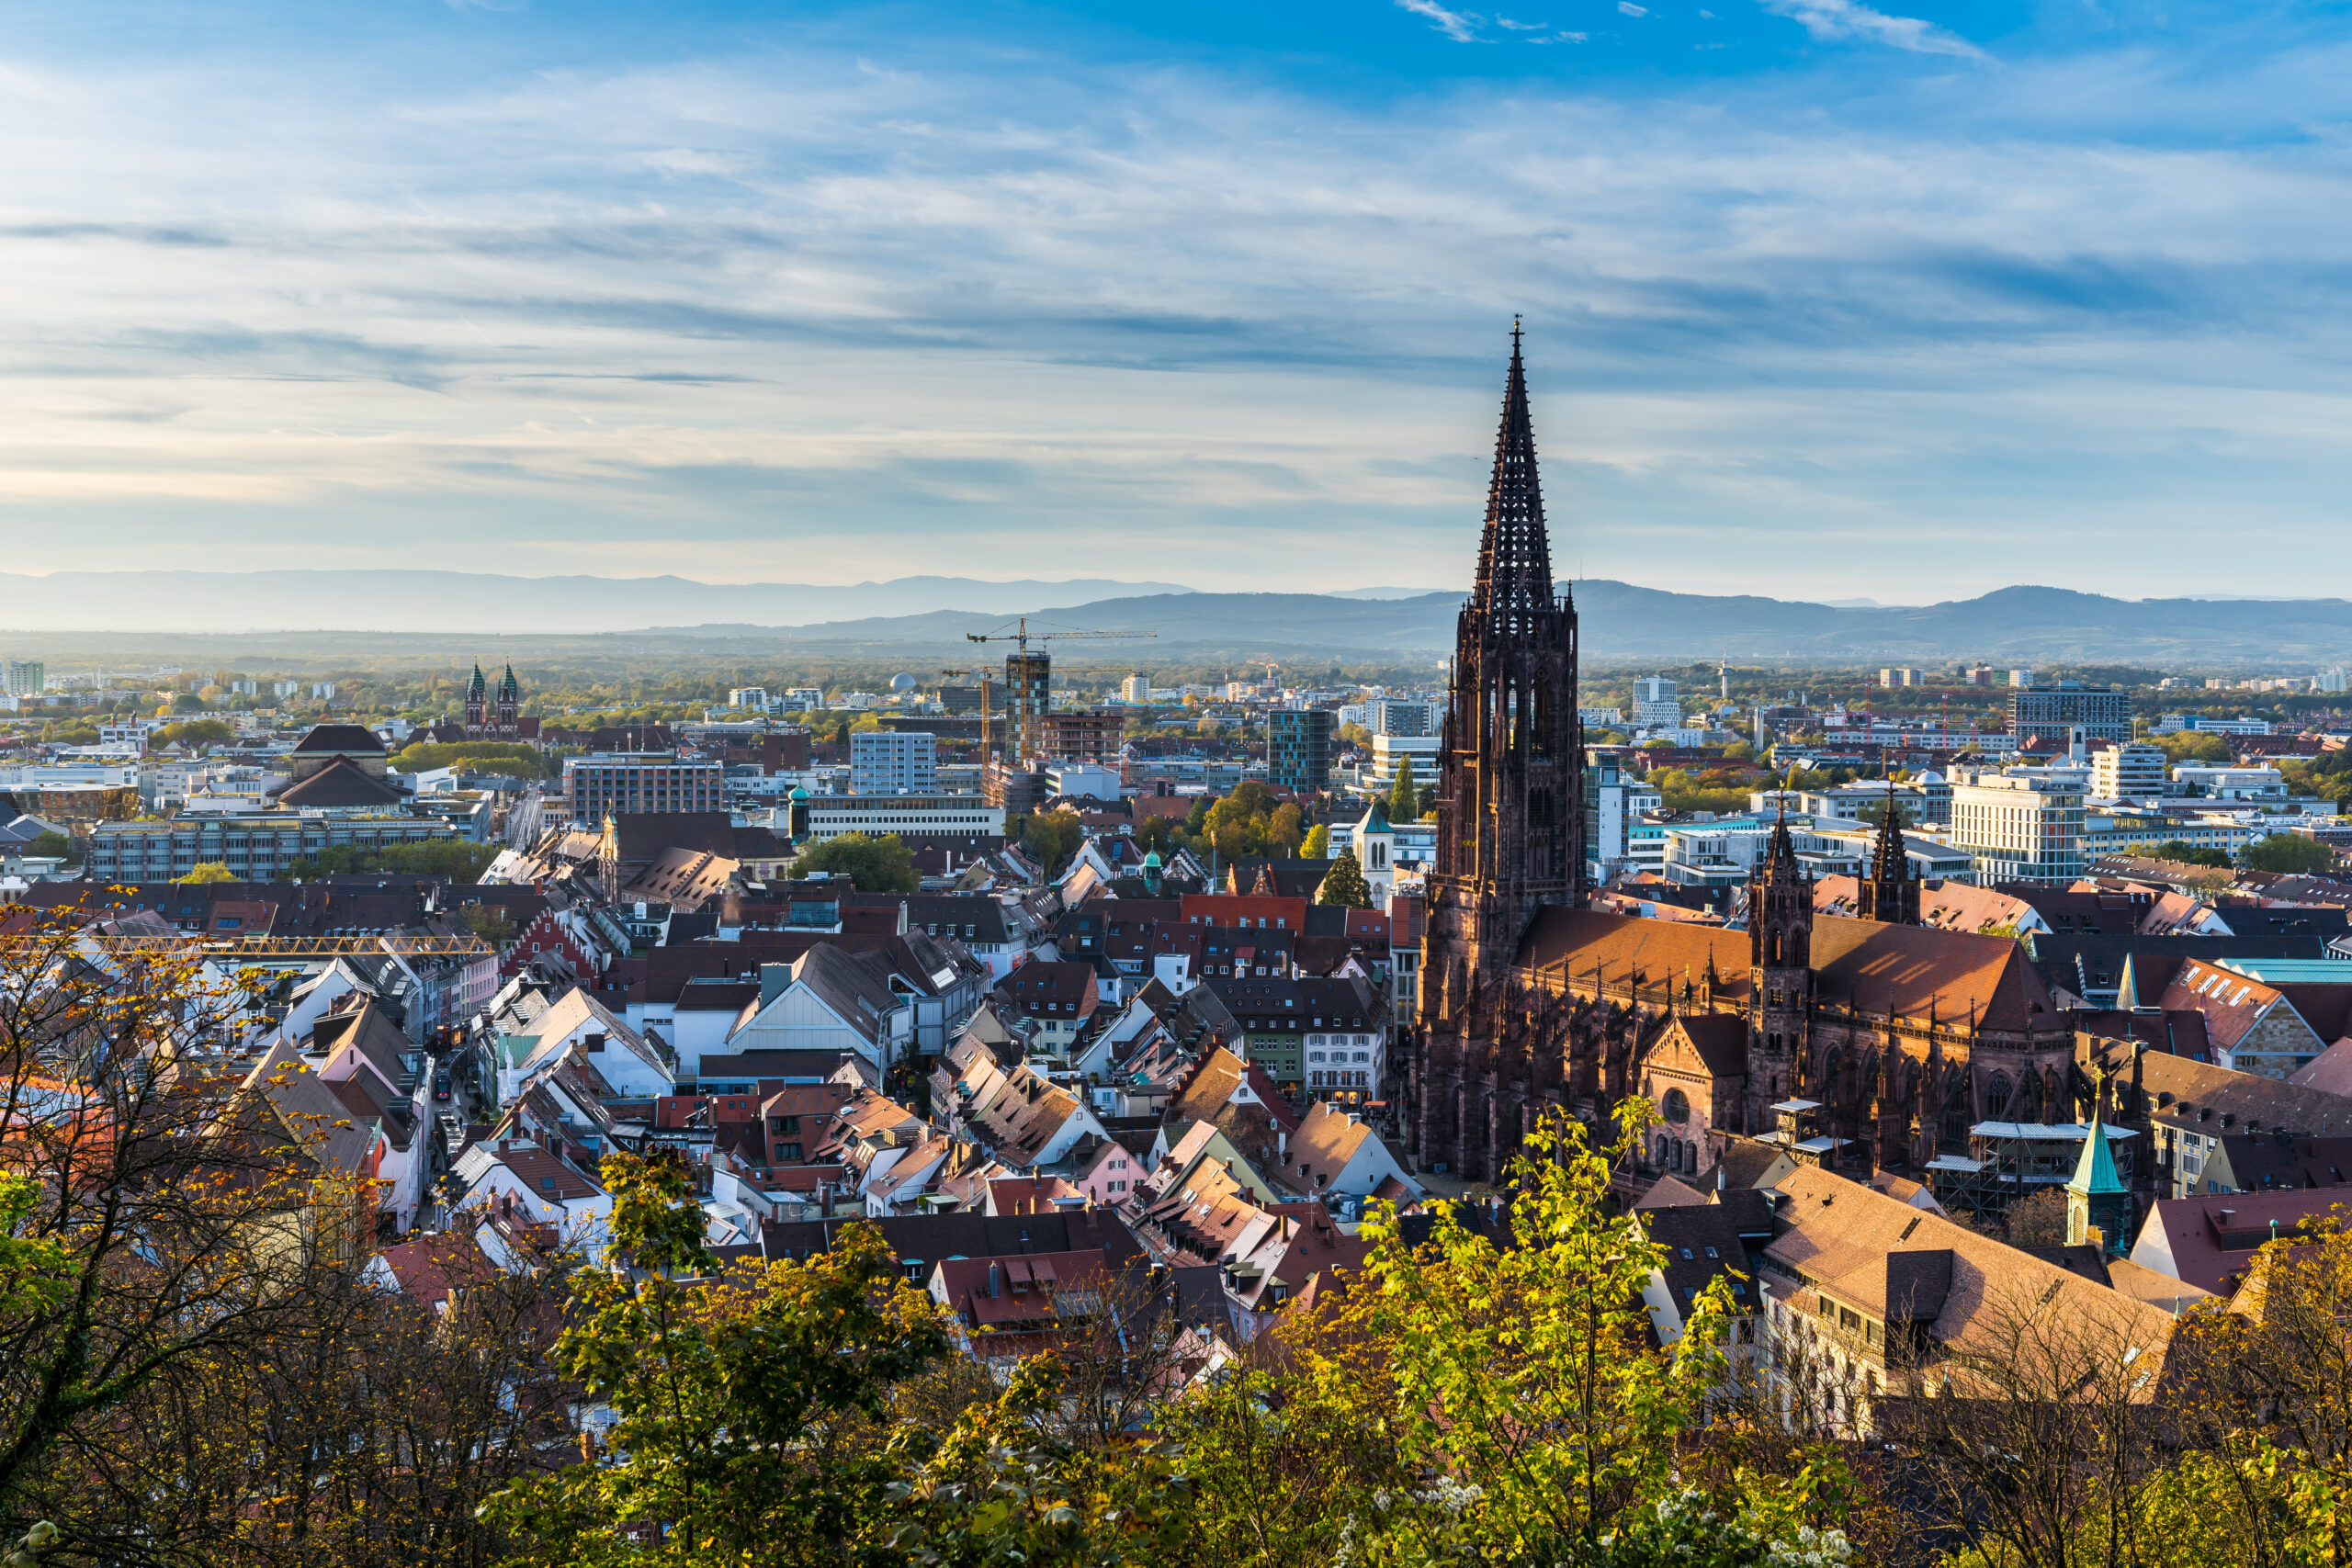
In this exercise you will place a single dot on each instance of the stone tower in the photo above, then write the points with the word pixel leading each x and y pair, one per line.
pixel 1891 891
pixel 510 703
pixel 1510 807
pixel 1779 948
pixel 477 702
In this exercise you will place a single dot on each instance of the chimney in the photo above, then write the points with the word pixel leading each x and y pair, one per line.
pixel 2226 1216
pixel 993 1277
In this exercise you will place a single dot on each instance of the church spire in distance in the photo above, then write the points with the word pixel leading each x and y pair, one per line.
pixel 1515 554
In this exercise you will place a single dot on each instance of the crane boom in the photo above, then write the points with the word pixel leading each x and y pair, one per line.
pixel 1027 707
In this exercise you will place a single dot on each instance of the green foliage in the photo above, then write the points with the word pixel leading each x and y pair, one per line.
pixel 210 871
pixel 505 758
pixel 882 864
pixel 188 702
pixel 194 732
pixel 1051 837
pixel 2183 852
pixel 50 843
pixel 460 860
pixel 745 1398
pixel 2291 855
pixel 492 924
pixel 1251 823
pixel 2193 746
pixel 1344 884
pixel 1404 794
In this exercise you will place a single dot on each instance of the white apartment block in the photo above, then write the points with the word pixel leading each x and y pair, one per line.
pixel 2133 770
pixel 2021 825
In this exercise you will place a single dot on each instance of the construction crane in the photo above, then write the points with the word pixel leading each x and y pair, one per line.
pixel 982 672
pixel 1027 676
pixel 265 949
pixel 1270 667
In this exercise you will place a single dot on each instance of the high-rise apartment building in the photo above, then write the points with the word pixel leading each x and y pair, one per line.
pixel 1655 704
pixel 1298 748
pixel 889 761
pixel 23 677
pixel 1136 689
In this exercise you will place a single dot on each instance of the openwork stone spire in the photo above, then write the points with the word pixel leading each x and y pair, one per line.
pixel 1514 581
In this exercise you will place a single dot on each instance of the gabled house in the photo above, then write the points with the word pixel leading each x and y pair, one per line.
pixel 1021 1117
pixel 514 1178
pixel 830 999
pixel 627 1062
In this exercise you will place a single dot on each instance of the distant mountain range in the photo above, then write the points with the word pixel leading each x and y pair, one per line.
pixel 926 617
pixel 474 603
pixel 1619 621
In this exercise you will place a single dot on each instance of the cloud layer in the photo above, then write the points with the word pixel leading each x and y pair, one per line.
pixel 1908 323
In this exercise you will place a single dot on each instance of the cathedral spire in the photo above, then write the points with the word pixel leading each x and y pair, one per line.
pixel 1892 892
pixel 1514 580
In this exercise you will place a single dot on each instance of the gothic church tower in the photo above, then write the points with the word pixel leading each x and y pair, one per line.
pixel 1510 806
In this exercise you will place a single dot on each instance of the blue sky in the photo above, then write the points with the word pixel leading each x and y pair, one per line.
pixel 1823 300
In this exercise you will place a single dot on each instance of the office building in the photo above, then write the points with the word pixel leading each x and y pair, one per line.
pixel 2132 771
pixel 1390 752
pixel 1899 678
pixel 1655 704
pixel 1615 797
pixel 2020 677
pixel 613 784
pixel 907 816
pixel 748 697
pixel 2102 713
pixel 892 761
pixel 2025 825
pixel 1403 716
pixel 1298 748
pixel 254 846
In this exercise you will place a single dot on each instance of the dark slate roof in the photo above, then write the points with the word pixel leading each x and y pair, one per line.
pixel 342 783
pixel 340 738
pixel 1701 1241
pixel 934 1237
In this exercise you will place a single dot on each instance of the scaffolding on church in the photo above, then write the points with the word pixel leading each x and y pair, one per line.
pixel 2008 1162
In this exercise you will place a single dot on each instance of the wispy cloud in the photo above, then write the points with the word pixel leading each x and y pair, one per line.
pixel 1832 19
pixel 1627 8
pixel 823 318
pixel 1462 26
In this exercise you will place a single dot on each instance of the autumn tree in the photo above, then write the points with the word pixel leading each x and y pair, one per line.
pixel 160 1216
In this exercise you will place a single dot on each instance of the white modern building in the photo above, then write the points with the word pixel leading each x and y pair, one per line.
pixel 2133 771
pixel 2025 825
pixel 1655 704
pixel 909 816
